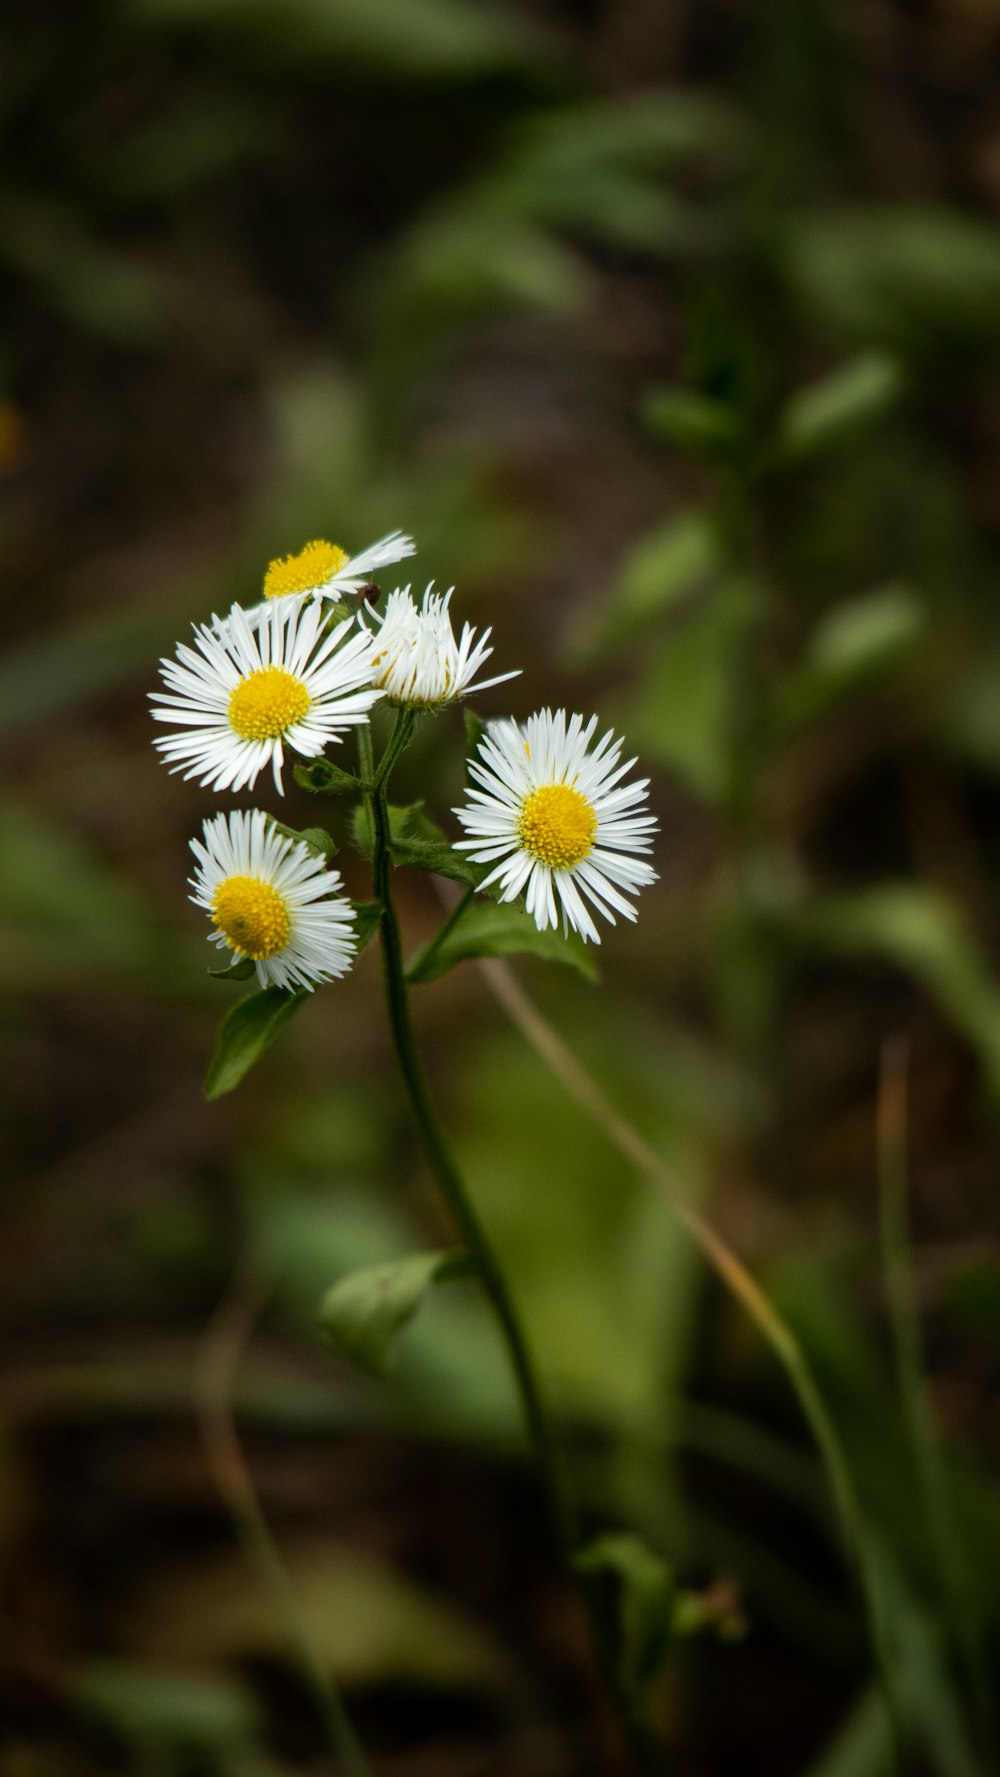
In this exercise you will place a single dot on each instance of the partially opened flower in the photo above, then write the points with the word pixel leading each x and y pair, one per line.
pixel 324 571
pixel 272 900
pixel 246 690
pixel 557 815
pixel 416 660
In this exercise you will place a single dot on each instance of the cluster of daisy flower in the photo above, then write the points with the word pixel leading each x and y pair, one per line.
pixel 549 811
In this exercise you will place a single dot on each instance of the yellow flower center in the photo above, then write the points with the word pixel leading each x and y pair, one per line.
pixel 251 916
pixel 266 703
pixel 312 567
pixel 558 826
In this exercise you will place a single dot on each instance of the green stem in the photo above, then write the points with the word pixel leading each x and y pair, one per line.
pixel 561 1507
pixel 398 740
pixel 430 950
pixel 366 756
pixel 446 1172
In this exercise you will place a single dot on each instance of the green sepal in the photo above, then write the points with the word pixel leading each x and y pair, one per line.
pixel 645 1596
pixel 490 928
pixel 243 969
pixel 316 838
pixel 362 1314
pixel 247 1030
pixel 326 779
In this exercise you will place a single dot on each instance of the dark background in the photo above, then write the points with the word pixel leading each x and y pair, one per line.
pixel 672 333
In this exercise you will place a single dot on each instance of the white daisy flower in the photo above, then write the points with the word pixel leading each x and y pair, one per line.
pixel 273 900
pixel 323 570
pixel 560 819
pixel 246 690
pixel 417 661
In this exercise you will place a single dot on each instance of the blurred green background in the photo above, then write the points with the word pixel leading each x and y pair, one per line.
pixel 672 332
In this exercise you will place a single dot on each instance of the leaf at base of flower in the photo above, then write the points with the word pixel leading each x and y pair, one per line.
pixel 490 928
pixel 246 1032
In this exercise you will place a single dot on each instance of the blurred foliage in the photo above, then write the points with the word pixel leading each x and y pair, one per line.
pixel 674 341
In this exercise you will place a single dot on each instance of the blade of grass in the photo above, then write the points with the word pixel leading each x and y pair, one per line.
pixel 215 1378
pixel 904 1314
pixel 590 1097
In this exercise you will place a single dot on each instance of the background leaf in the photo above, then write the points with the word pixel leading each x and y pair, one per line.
pixel 363 1314
pixel 920 932
pixel 831 412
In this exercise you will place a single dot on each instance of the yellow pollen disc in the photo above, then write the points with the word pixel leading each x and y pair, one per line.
pixel 266 703
pixel 558 826
pixel 251 916
pixel 313 566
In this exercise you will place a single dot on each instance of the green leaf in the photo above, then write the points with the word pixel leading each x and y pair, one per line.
pixel 316 838
pixel 836 409
pixel 921 932
pixel 326 779
pixel 853 644
pixel 862 1747
pixel 169 155
pixel 475 731
pixel 664 567
pixel 697 422
pixel 416 841
pixel 247 1031
pixel 149 1705
pixel 716 1608
pixel 119 294
pixel 411 39
pixel 367 917
pixel 914 277
pixel 370 1626
pixel 363 1313
pixel 440 858
pixel 405 823
pixel 495 929
pixel 685 710
pixel 646 1600
pixel 243 969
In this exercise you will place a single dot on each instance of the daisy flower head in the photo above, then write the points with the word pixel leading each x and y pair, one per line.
pixel 272 900
pixel 416 661
pixel 249 688
pixel 557 815
pixel 322 570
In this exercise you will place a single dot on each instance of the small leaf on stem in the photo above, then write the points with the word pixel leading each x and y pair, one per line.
pixel 363 1313
pixel 367 915
pixel 246 1032
pixel 326 779
pixel 416 842
pixel 490 928
pixel 243 969
pixel 316 838
pixel 645 1602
